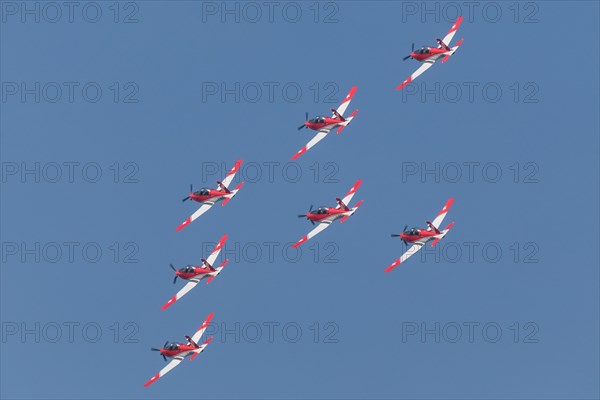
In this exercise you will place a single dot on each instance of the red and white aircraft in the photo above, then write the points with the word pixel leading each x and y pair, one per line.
pixel 194 274
pixel 179 351
pixel 429 55
pixel 324 125
pixel 324 216
pixel 419 237
pixel 208 197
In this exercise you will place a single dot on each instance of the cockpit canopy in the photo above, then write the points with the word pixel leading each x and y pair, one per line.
pixel 320 210
pixel 172 346
pixel 187 269
pixel 412 232
pixel 317 120
pixel 422 50
pixel 202 192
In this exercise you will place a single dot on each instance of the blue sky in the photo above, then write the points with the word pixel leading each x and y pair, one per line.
pixel 156 124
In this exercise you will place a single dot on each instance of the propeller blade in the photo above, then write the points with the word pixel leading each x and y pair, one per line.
pixel 307 116
pixel 394 235
pixel 310 209
pixel 405 242
pixel 153 349
pixel 413 47
pixel 172 267
pixel 406 58
pixel 185 198
pixel 175 279
pixel 301 126
pixel 166 343
pixel 405 227
pixel 301 215
pixel 311 221
pixel 164 358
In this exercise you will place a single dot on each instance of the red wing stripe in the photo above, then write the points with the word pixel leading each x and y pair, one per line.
pixel 169 303
pixel 406 82
pixel 220 244
pixel 394 265
pixel 152 380
pixel 299 153
pixel 207 321
pixel 354 188
pixel 299 242
pixel 456 24
pixel 447 206
pixel 350 94
pixel 235 168
pixel 184 224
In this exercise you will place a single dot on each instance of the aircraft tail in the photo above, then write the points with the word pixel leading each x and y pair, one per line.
pixel 232 193
pixel 443 45
pixel 452 50
pixel 200 348
pixel 206 264
pixel 191 341
pixel 346 121
pixel 432 227
pixel 341 204
pixel 217 271
pixel 442 234
pixel 352 211
pixel 337 114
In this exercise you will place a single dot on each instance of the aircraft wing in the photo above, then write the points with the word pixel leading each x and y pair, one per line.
pixel 172 364
pixel 231 174
pixel 442 214
pixel 448 38
pixel 182 292
pixel 316 139
pixel 202 328
pixel 318 229
pixel 203 208
pixel 215 253
pixel 346 102
pixel 411 251
pixel 348 197
pixel 424 67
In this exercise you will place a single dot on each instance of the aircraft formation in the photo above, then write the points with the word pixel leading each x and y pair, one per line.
pixel 321 217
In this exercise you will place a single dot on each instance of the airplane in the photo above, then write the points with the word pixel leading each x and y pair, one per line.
pixel 419 237
pixel 208 197
pixel 429 55
pixel 324 216
pixel 324 125
pixel 179 351
pixel 194 274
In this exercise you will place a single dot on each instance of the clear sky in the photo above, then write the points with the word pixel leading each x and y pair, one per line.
pixel 105 124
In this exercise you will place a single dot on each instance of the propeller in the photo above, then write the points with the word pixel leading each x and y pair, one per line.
pixel 191 191
pixel 304 124
pixel 163 356
pixel 411 50
pixel 396 235
pixel 173 268
pixel 306 215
